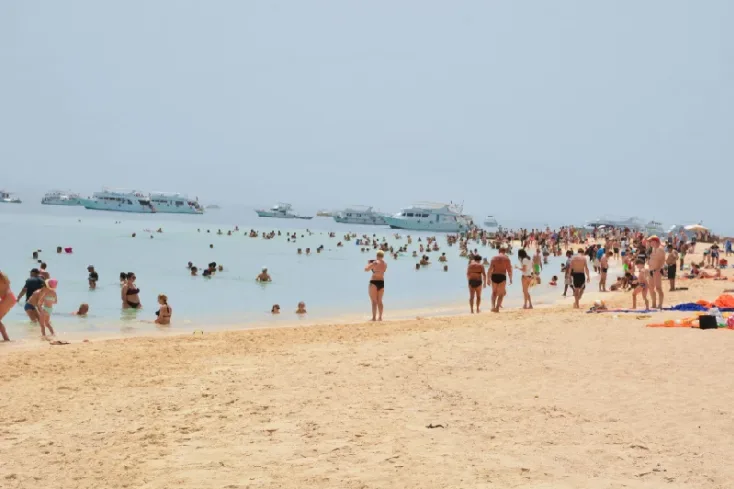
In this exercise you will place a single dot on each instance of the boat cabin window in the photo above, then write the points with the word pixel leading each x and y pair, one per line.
pixel 424 215
pixel 143 202
pixel 409 214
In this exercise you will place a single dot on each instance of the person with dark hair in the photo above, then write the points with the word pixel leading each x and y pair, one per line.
pixel 526 268
pixel 477 277
pixel 578 270
pixel 500 269
pixel 130 293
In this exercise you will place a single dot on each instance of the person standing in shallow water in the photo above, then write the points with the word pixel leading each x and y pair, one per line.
pixel 129 293
pixel 477 278
pixel 378 268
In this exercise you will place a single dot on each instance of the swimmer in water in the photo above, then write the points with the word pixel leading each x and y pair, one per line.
pixel 301 308
pixel 275 309
pixel 129 293
pixel 164 312
pixel 93 277
pixel 264 276
pixel 378 267
pixel 82 311
pixel 7 301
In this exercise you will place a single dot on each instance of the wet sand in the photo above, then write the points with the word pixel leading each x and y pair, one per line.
pixel 550 398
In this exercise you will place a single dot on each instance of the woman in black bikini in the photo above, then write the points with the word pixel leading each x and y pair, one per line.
pixel 165 311
pixel 477 278
pixel 378 268
pixel 130 297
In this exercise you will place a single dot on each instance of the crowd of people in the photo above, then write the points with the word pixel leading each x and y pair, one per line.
pixel 645 261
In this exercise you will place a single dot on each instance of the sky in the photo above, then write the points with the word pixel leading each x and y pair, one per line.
pixel 556 111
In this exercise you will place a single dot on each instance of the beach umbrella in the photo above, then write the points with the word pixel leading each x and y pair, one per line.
pixel 696 227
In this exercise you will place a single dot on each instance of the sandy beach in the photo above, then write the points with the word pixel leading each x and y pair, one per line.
pixel 545 398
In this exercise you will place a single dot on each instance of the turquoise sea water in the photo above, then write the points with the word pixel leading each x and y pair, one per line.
pixel 333 283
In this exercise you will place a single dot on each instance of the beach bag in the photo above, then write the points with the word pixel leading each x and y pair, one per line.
pixel 730 322
pixel 707 321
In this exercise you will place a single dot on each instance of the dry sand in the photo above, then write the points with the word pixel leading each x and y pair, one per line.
pixel 550 398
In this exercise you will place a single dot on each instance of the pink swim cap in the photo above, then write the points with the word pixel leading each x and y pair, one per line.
pixel 52 283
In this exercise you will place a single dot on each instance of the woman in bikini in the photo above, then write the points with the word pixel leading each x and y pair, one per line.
pixel 7 301
pixel 165 311
pixel 129 294
pixel 526 268
pixel 477 278
pixel 640 284
pixel 378 268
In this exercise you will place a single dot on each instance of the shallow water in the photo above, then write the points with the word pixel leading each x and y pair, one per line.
pixel 332 283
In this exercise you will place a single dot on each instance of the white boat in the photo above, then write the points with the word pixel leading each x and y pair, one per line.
pixel 58 197
pixel 491 222
pixel 654 228
pixel 174 203
pixel 360 215
pixel 7 198
pixel 324 213
pixel 120 201
pixel 281 210
pixel 429 216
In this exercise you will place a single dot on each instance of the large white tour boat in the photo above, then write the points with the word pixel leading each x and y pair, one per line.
pixel 120 201
pixel 174 203
pixel 429 216
pixel 281 210
pixel 360 215
pixel 58 197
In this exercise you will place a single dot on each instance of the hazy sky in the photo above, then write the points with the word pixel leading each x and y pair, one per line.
pixel 550 110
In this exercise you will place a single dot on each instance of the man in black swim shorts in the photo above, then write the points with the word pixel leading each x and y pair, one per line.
pixel 579 275
pixel 499 269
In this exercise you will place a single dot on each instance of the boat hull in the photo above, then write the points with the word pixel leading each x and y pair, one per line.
pixel 281 216
pixel 95 205
pixel 425 225
pixel 373 220
pixel 69 202
pixel 10 201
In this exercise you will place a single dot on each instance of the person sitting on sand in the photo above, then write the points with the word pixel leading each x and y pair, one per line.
pixel 7 301
pixel 275 309
pixel 82 311
pixel 164 312
pixel 301 308
pixel 264 276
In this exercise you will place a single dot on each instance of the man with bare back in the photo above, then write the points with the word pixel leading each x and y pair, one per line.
pixel 656 264
pixel 500 268
pixel 579 271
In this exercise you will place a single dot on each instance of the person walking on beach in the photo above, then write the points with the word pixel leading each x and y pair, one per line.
pixel 657 261
pixel 604 265
pixel 672 261
pixel 526 269
pixel 44 300
pixel 579 272
pixel 378 268
pixel 129 293
pixel 477 278
pixel 34 283
pixel 7 301
pixel 500 268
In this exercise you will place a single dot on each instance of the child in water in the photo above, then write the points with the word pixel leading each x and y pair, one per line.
pixel 554 281
pixel 301 308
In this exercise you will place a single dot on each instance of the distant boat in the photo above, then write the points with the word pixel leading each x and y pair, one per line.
pixel 429 216
pixel 7 198
pixel 323 213
pixel 141 203
pixel 213 206
pixel 58 197
pixel 491 222
pixel 282 211
pixel 360 215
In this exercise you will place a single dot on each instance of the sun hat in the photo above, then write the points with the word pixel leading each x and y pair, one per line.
pixel 52 283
